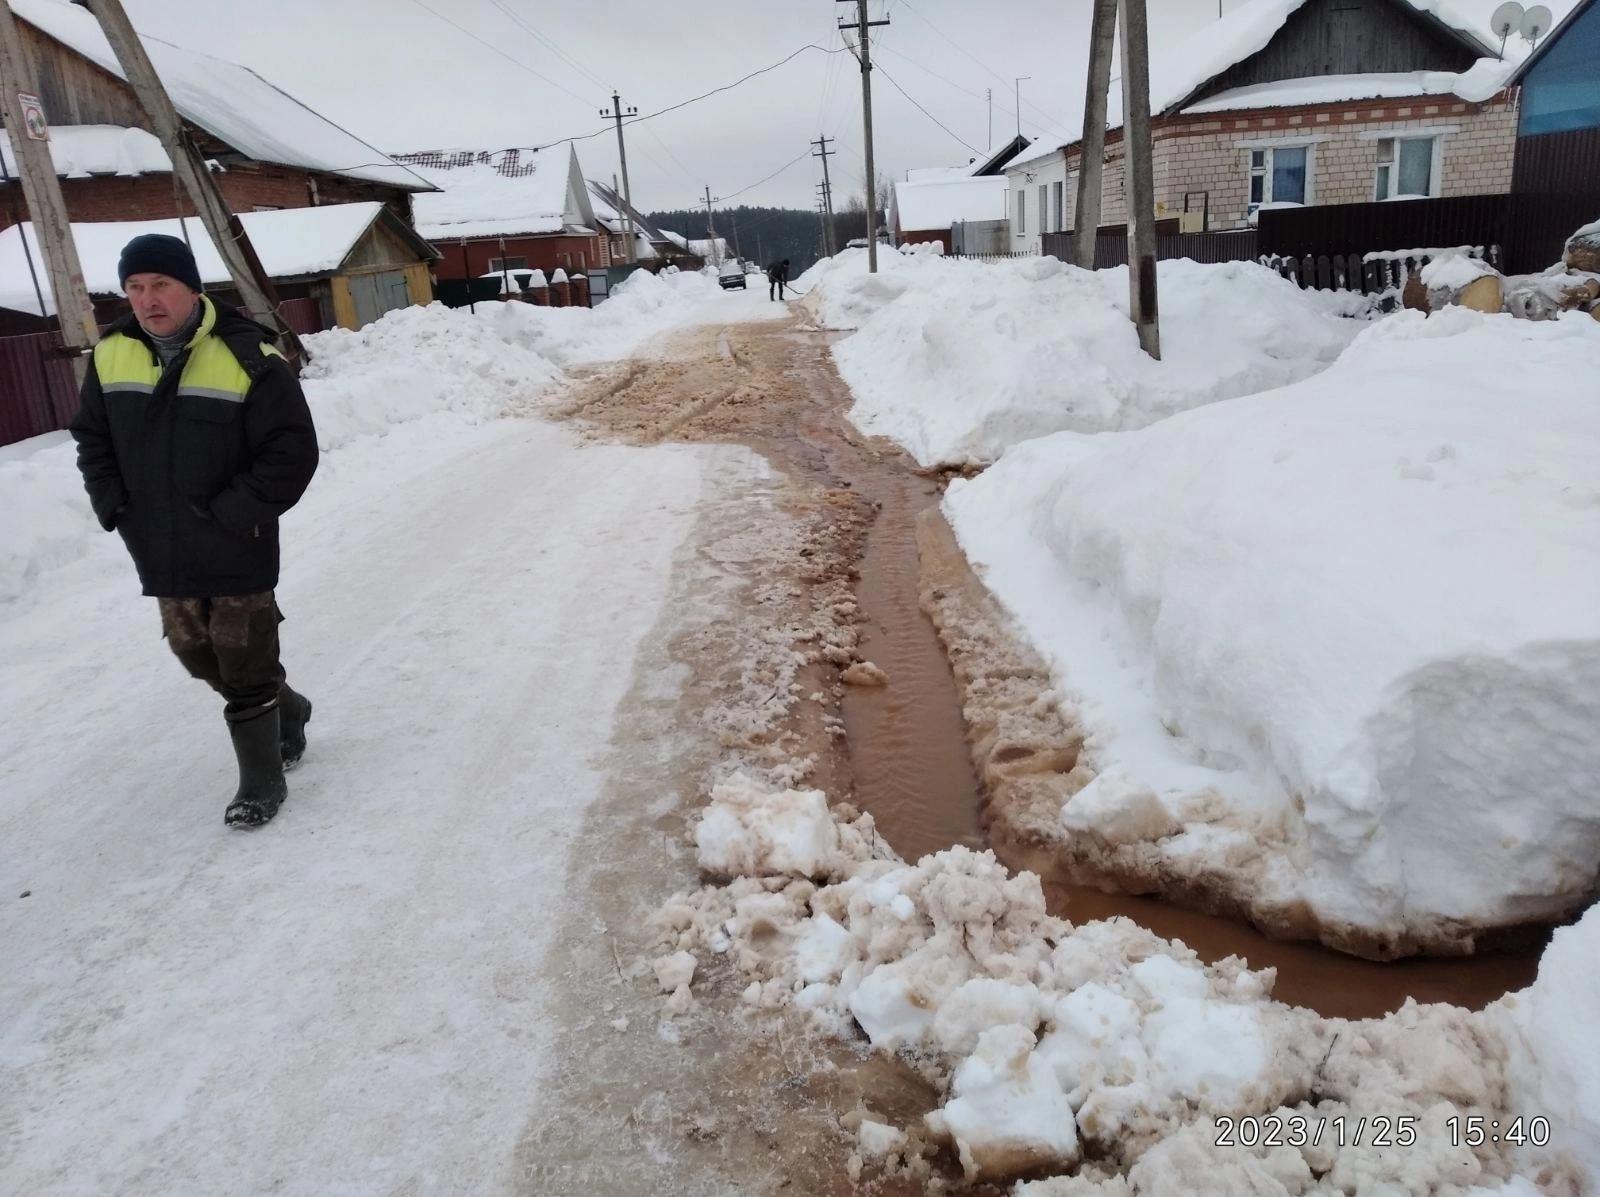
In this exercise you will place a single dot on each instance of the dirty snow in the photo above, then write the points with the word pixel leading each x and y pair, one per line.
pixel 1337 644
pixel 1049 1041
pixel 958 360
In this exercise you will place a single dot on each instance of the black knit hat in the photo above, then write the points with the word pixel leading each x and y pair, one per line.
pixel 157 253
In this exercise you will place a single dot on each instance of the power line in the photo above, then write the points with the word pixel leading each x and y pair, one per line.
pixel 722 199
pixel 516 62
pixel 548 145
pixel 546 41
pixel 1051 120
pixel 924 111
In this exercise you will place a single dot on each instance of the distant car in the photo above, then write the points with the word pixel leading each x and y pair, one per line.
pixel 731 275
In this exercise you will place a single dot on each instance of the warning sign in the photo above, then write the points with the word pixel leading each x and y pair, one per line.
pixel 33 116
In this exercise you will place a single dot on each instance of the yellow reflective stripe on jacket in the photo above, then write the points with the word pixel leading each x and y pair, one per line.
pixel 125 363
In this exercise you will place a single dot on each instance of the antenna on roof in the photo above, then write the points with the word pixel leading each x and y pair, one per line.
pixel 1507 19
pixel 1536 23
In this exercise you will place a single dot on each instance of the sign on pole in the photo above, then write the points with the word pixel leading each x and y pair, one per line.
pixel 33 116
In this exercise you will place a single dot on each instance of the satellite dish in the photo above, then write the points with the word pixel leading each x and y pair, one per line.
pixel 1536 23
pixel 1507 20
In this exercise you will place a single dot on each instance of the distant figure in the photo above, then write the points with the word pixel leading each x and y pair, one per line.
pixel 193 438
pixel 777 276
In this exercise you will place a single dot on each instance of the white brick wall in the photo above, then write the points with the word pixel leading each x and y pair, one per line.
pixel 1210 154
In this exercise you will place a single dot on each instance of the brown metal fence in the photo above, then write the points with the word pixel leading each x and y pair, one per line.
pixel 38 393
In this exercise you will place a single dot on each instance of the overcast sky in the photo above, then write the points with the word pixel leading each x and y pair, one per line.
pixel 402 75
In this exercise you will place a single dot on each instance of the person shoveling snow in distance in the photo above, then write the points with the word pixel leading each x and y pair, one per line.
pixel 193 438
pixel 777 276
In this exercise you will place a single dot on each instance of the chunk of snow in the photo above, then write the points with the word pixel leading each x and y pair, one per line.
pixel 674 970
pixel 822 950
pixel 1008 1114
pixel 1454 271
pixel 979 1004
pixel 750 832
pixel 877 1140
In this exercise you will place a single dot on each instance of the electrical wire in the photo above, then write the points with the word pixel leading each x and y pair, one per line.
pixel 735 195
pixel 924 111
pixel 546 41
pixel 516 62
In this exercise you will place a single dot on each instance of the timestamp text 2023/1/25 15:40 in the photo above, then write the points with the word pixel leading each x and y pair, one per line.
pixel 1382 1130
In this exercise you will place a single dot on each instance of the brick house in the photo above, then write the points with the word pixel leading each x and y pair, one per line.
pixel 507 211
pixel 1297 102
pixel 269 150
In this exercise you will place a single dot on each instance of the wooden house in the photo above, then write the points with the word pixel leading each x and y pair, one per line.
pixel 267 150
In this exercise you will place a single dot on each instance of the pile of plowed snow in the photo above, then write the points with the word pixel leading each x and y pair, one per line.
pixel 957 360
pixel 1052 1043
pixel 1336 646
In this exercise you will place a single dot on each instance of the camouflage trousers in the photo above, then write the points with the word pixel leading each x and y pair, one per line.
pixel 231 644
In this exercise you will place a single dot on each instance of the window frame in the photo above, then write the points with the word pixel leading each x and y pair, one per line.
pixel 1394 137
pixel 1268 151
pixel 1022 211
pixel 1061 207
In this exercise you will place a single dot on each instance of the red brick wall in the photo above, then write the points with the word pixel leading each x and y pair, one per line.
pixel 542 253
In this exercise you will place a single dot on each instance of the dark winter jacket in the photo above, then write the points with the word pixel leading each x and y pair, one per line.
pixel 193 464
pixel 778 272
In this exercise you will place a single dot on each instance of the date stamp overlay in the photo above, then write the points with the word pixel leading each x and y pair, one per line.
pixel 1381 1130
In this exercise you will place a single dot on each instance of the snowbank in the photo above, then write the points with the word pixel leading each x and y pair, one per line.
pixel 1050 1042
pixel 1335 649
pixel 1553 1028
pixel 957 360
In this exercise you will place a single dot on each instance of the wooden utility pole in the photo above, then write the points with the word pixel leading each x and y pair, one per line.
pixel 1018 82
pixel 711 227
pixel 863 53
pixel 617 113
pixel 825 153
pixel 30 146
pixel 1140 175
pixel 1092 156
pixel 188 163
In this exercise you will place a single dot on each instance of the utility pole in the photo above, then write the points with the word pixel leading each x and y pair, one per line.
pixel 825 153
pixel 733 217
pixel 988 94
pixel 863 53
pixel 1092 156
pixel 711 227
pixel 30 147
pixel 1140 175
pixel 188 163
pixel 1019 81
pixel 617 113
pixel 826 200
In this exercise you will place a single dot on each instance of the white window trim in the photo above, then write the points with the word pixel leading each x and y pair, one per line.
pixel 1273 143
pixel 1408 131
pixel 1310 145
pixel 1436 171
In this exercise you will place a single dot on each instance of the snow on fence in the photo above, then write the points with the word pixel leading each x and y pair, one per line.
pixel 1380 273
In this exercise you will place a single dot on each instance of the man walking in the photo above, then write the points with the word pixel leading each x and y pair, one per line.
pixel 193 438
pixel 777 276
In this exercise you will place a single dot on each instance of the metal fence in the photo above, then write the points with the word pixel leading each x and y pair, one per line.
pixel 38 392
pixel 980 238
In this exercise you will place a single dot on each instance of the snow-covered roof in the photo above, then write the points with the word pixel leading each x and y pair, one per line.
pixel 228 100
pixel 1485 78
pixel 479 201
pixel 938 203
pixel 709 247
pixel 1181 66
pixel 79 151
pixel 291 243
pixel 609 210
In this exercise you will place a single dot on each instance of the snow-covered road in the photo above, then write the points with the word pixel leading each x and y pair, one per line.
pixel 349 1000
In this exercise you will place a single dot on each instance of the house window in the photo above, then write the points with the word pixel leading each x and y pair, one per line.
pixel 1044 207
pixel 1279 175
pixel 508 264
pixel 1061 223
pixel 1022 212
pixel 1407 166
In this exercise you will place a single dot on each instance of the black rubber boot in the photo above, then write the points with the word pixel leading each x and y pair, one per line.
pixel 294 713
pixel 261 785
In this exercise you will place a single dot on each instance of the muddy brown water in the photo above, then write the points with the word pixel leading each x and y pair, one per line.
pixel 912 768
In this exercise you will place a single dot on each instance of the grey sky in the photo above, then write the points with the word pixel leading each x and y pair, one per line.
pixel 402 77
